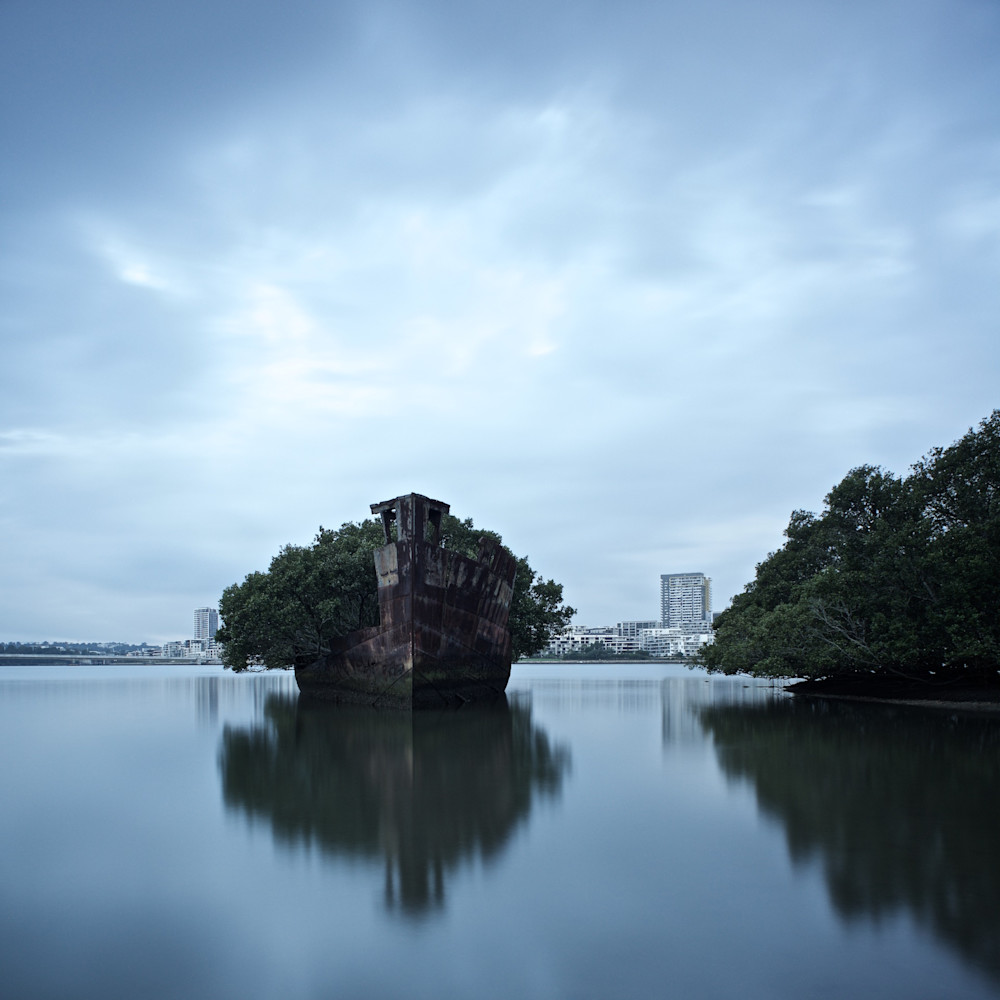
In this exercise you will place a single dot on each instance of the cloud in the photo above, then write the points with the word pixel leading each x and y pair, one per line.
pixel 627 286
pixel 134 266
pixel 26 441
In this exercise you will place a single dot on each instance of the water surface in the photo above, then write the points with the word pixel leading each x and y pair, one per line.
pixel 611 831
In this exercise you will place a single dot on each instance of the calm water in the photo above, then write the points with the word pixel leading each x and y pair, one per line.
pixel 623 831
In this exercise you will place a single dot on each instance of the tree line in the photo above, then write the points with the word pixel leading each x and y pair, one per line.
pixel 899 576
pixel 70 648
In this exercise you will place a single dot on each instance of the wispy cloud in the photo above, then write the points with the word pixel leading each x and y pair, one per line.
pixel 629 294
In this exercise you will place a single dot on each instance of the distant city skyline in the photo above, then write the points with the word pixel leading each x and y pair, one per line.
pixel 205 625
pixel 685 623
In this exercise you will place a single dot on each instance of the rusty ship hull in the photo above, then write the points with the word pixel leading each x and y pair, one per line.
pixel 443 638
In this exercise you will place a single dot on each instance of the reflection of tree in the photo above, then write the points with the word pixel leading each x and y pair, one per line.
pixel 425 791
pixel 900 804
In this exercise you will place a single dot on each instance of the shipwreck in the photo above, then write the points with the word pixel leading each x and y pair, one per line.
pixel 443 638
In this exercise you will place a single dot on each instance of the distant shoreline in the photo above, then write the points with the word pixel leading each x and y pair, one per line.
pixel 99 660
pixel 653 660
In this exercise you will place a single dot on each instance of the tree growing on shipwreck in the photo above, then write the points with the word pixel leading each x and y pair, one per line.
pixel 311 596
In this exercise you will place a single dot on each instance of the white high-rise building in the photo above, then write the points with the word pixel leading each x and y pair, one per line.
pixel 685 600
pixel 206 623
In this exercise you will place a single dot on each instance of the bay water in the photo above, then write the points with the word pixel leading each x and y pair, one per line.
pixel 611 831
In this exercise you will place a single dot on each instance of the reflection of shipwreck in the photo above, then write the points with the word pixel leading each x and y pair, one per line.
pixel 443 637
pixel 422 793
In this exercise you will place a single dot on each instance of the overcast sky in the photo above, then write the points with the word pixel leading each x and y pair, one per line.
pixel 626 282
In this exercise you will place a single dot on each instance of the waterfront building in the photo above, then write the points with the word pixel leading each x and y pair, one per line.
pixel 653 639
pixel 196 649
pixel 574 638
pixel 206 623
pixel 660 641
pixel 685 601
pixel 674 641
pixel 632 630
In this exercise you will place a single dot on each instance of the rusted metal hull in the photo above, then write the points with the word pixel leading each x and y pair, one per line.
pixel 443 638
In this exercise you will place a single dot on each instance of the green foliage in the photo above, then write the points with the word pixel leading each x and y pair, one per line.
pixel 537 613
pixel 308 597
pixel 594 651
pixel 896 576
pixel 314 594
pixel 599 652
